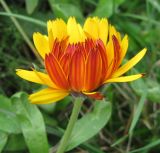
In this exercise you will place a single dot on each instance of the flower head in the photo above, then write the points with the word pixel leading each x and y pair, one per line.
pixel 78 60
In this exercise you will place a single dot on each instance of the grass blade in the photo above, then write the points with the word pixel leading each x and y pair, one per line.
pixel 137 112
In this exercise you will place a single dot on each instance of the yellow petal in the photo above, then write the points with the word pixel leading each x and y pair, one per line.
pixel 34 76
pixel 124 47
pixel 96 28
pixel 125 78
pixel 47 96
pixel 103 30
pixel 49 26
pixel 59 28
pixel 41 43
pixel 74 31
pixel 112 31
pixel 110 52
pixel 130 63
pixel 91 27
pixel 50 34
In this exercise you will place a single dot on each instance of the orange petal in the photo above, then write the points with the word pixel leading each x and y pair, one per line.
pixel 94 95
pixel 113 51
pixel 102 51
pixel 93 70
pixel 117 48
pixel 65 63
pixel 77 71
pixel 59 47
pixel 113 31
pixel 56 72
pixel 89 44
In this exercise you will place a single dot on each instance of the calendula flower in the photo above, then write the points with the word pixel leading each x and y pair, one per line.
pixel 78 60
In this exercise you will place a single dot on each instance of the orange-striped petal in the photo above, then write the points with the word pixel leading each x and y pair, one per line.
pixel 112 31
pixel 47 96
pixel 59 47
pixel 93 70
pixel 56 72
pixel 113 54
pixel 102 51
pixel 117 49
pixel 77 71
pixel 65 63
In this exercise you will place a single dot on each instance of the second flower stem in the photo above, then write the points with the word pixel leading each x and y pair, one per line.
pixel 76 109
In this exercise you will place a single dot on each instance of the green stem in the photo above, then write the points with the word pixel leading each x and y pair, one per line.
pixel 21 31
pixel 76 109
pixel 25 18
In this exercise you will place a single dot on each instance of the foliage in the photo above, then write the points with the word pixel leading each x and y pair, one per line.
pixel 134 123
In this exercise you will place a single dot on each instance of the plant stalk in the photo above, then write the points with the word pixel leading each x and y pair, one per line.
pixel 76 109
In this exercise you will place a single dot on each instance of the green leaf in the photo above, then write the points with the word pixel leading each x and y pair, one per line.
pixel 8 120
pixel 138 86
pixel 90 124
pixel 65 10
pixel 31 5
pixel 15 143
pixel 48 108
pixel 104 8
pixel 3 140
pixel 153 90
pixel 31 122
pixel 152 87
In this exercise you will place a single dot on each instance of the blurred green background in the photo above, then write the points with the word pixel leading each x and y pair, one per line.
pixel 134 125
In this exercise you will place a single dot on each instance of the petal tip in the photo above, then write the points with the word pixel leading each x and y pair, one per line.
pixel 144 50
pixel 35 34
pixel 143 74
pixel 17 70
